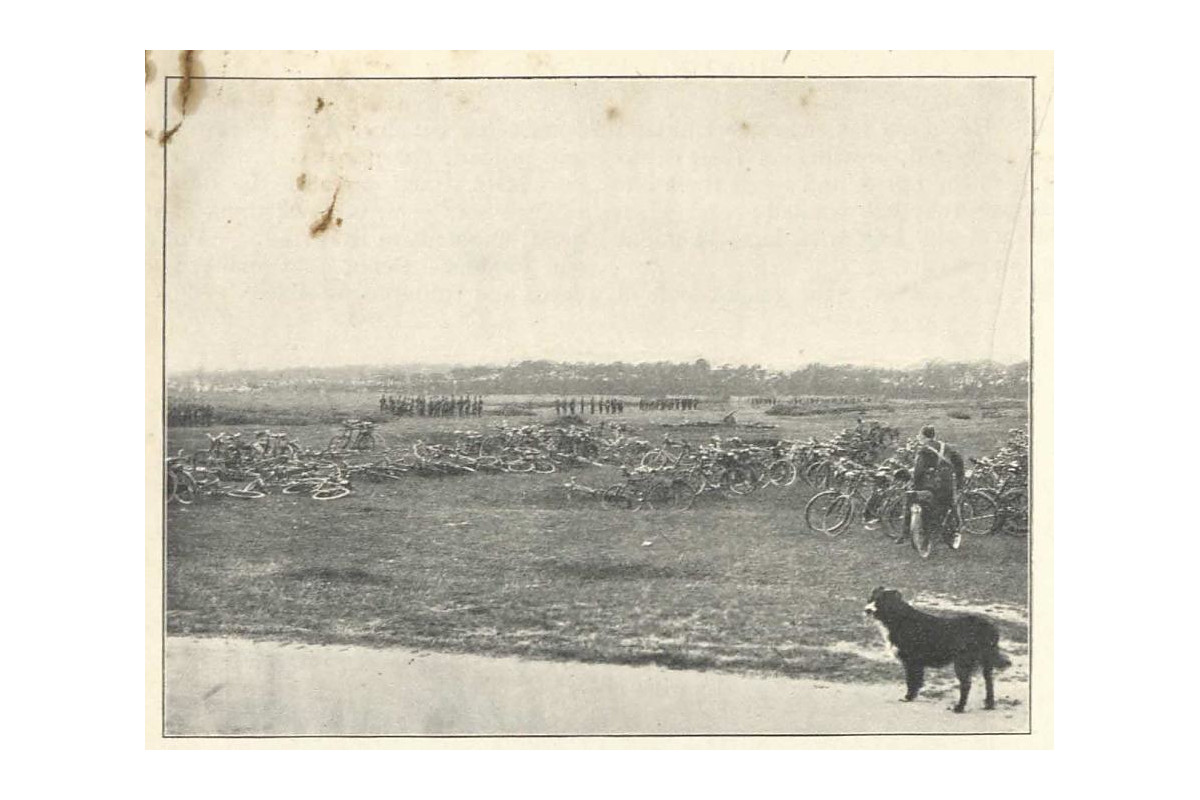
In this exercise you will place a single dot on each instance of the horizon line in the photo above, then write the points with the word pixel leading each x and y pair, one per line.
pixel 516 362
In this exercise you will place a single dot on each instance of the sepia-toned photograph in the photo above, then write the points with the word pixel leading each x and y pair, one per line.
pixel 559 395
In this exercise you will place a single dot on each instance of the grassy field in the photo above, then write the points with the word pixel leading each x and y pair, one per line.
pixel 505 564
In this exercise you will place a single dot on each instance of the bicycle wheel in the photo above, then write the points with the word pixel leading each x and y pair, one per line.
pixel 893 518
pixel 543 467
pixel 693 481
pixel 740 481
pixel 1014 505
pixel 339 442
pixel 187 489
pixel 658 495
pixel 174 487
pixel 246 494
pixel 331 493
pixel 827 512
pixel 978 513
pixel 819 475
pixel 520 465
pixel 616 496
pixel 366 441
pixel 655 459
pixel 922 540
pixel 758 474
pixel 782 473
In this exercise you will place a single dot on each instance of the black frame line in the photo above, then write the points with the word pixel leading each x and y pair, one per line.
pixel 591 77
pixel 166 145
pixel 163 411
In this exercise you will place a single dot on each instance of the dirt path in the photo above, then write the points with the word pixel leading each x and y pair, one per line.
pixel 241 687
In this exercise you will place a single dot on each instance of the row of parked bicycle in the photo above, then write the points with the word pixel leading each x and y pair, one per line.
pixel 993 499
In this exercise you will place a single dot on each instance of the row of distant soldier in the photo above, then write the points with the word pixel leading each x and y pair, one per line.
pixel 669 404
pixel 437 406
pixel 603 405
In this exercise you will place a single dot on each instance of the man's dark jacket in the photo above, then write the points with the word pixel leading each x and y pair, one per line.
pixel 937 468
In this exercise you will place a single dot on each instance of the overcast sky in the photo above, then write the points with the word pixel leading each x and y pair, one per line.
pixel 778 222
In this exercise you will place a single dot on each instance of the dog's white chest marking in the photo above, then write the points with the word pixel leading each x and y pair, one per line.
pixel 887 640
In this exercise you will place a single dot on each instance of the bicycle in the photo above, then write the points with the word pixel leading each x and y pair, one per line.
pixel 612 496
pixel 831 511
pixel 333 486
pixel 271 445
pixel 651 490
pixel 978 512
pixel 1005 488
pixel 253 490
pixel 180 487
pixel 527 459
pixel 782 472
pixel 670 454
pixel 357 435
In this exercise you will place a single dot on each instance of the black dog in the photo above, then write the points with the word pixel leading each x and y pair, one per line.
pixel 922 640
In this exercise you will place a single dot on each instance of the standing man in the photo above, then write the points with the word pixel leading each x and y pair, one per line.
pixel 939 469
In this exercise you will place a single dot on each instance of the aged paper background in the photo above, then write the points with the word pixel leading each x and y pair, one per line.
pixel 334 159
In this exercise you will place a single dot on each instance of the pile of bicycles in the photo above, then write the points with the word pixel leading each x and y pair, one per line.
pixel 248 468
pixel 731 465
pixel 190 478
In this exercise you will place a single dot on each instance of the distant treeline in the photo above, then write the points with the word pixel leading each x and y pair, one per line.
pixel 935 379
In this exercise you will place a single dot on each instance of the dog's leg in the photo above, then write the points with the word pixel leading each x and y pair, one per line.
pixel 914 676
pixel 989 702
pixel 963 670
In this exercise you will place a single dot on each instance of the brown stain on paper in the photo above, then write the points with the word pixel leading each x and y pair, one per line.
pixel 189 91
pixel 166 135
pixel 150 69
pixel 612 113
pixel 302 181
pixel 326 219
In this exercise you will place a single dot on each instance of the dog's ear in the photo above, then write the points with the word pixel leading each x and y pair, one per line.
pixel 879 590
